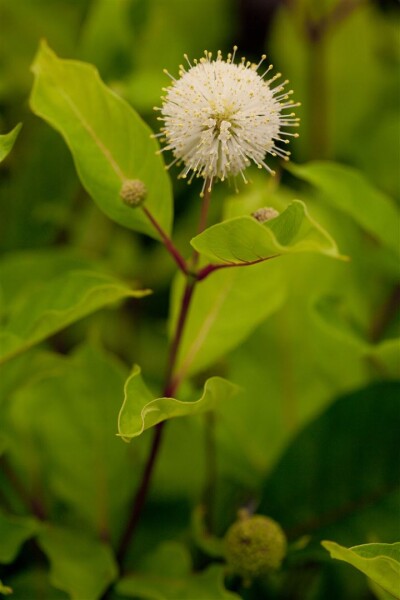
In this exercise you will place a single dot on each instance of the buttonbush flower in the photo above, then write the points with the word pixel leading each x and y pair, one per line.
pixel 220 116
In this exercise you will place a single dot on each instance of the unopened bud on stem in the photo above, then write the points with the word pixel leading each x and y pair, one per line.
pixel 265 214
pixel 133 192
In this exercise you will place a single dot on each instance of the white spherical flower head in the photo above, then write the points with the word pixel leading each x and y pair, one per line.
pixel 220 116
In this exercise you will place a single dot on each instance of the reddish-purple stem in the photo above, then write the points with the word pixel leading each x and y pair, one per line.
pixel 211 268
pixel 174 252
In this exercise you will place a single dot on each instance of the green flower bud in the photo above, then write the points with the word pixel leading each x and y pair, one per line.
pixel 254 546
pixel 133 192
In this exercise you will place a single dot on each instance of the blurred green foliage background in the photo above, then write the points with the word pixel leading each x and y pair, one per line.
pixel 323 467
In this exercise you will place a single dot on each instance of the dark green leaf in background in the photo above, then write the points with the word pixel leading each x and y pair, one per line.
pixel 82 567
pixel 167 575
pixel 339 476
pixel 14 531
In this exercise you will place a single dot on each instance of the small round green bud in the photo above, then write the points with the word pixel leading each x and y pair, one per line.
pixel 133 192
pixel 265 214
pixel 254 546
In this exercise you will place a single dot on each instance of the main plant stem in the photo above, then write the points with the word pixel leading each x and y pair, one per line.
pixel 171 383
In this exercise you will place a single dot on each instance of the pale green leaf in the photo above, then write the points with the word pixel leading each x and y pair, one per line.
pixel 166 575
pixel 14 531
pixel 7 141
pixel 225 308
pixel 140 410
pixel 108 140
pixel 244 239
pixel 79 565
pixel 349 191
pixel 58 303
pixel 379 562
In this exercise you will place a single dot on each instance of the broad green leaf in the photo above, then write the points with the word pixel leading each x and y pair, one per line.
pixel 349 191
pixel 141 410
pixel 167 575
pixel 14 531
pixel 379 562
pixel 108 140
pixel 7 141
pixel 225 308
pixel 244 239
pixel 60 302
pixel 358 501
pixel 62 428
pixel 79 565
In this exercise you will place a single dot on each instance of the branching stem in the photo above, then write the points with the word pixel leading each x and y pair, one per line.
pixel 171 383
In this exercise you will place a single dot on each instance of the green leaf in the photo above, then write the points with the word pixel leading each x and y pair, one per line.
pixel 108 140
pixel 34 583
pixel 166 575
pixel 379 562
pixel 58 303
pixel 141 410
pixel 62 438
pixel 349 191
pixel 244 239
pixel 7 141
pixel 79 565
pixel 4 589
pixel 225 308
pixel 14 531
pixel 358 501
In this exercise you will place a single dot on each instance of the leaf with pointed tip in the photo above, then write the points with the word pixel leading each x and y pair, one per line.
pixel 348 190
pixel 79 565
pixel 166 575
pixel 244 239
pixel 14 532
pixel 108 140
pixel 141 410
pixel 58 303
pixel 379 562
pixel 7 141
